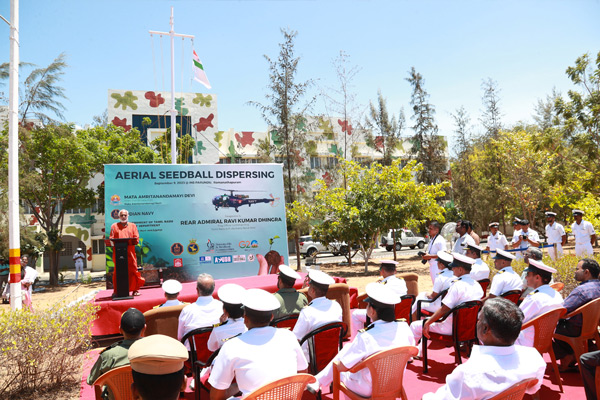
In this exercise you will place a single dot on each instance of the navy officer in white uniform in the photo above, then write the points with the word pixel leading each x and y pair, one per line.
pixel 460 291
pixel 496 239
pixel 585 235
pixel 505 279
pixel 171 287
pixel 260 355
pixel 383 334
pixel 498 364
pixel 556 235
pixel 436 244
pixel 442 282
pixel 232 320
pixel 541 300
pixel 387 270
pixel 479 269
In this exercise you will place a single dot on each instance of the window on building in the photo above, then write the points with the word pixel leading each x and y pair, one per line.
pixel 67 249
pixel 315 162
pixel 332 162
pixel 98 246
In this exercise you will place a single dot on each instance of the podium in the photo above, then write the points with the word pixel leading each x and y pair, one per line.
pixel 121 271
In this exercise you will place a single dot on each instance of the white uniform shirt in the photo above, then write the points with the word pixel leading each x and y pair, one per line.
pixel 443 280
pixel 319 312
pixel 531 234
pixel 224 331
pixel 461 242
pixel 171 303
pixel 205 312
pixel 30 276
pixel 554 233
pixel 491 370
pixel 461 290
pixel 541 300
pixel 480 270
pixel 583 232
pixel 504 281
pixel 398 285
pixel 437 244
pixel 256 357
pixel 380 335
pixel 497 241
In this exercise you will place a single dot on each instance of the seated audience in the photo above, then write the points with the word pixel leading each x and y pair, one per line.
pixel 260 355
pixel 171 288
pixel 132 328
pixel 382 334
pixel 290 300
pixel 498 364
pixel 157 368
pixel 589 362
pixel 443 280
pixel 506 279
pixel 479 269
pixel 232 320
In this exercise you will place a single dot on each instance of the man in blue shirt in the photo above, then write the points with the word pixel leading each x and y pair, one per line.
pixel 587 273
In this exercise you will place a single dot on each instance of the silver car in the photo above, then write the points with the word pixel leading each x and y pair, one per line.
pixel 310 248
pixel 404 237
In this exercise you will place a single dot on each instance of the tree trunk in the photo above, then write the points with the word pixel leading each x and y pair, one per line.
pixel 53 256
pixel 297 244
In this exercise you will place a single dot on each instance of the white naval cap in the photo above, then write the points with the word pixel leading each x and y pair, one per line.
pixel 79 249
pixel 473 247
pixel 387 261
pixel 231 293
pixel 541 265
pixel 578 212
pixel 494 224
pixel 503 255
pixel 320 277
pixel 550 214
pixel 382 294
pixel 460 260
pixel 445 256
pixel 260 300
pixel 287 271
pixel 172 286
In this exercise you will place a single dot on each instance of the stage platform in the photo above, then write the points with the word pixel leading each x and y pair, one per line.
pixel 109 314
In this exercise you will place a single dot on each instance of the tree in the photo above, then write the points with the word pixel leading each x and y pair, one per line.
pixel 377 198
pixel 491 115
pixel 428 147
pixel 162 145
pixel 286 118
pixel 387 129
pixel 41 93
pixel 462 131
pixel 56 165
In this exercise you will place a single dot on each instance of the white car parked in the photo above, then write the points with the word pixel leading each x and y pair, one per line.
pixel 404 237
pixel 310 248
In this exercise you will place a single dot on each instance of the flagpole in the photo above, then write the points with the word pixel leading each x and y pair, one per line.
pixel 14 239
pixel 173 111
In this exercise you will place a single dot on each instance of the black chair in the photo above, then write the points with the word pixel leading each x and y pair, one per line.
pixel 424 313
pixel 287 321
pixel 200 356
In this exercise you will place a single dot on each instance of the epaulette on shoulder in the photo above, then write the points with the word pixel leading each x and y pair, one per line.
pixel 220 324
pixel 501 271
pixel 367 328
pixel 229 338
pixel 157 306
pixel 310 304
pixel 534 292
pixel 401 320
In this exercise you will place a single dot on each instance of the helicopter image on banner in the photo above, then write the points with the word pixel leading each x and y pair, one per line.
pixel 235 201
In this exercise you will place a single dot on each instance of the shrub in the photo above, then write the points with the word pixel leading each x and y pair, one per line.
pixel 42 349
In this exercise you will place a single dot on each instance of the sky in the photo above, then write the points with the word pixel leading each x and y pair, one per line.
pixel 525 46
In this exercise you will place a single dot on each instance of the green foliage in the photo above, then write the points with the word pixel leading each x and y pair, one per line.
pixel 377 198
pixel 42 349
pixel 384 130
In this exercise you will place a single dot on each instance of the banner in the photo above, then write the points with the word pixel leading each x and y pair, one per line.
pixel 196 218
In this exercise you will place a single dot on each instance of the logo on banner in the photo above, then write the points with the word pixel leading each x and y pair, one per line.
pixel 222 259
pixel 115 199
pixel 115 213
pixel 210 246
pixel 193 247
pixel 176 249
pixel 239 258
pixel 246 244
pixel 250 257
pixel 178 262
pixel 205 259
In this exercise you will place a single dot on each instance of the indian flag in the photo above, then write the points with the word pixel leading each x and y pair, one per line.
pixel 199 73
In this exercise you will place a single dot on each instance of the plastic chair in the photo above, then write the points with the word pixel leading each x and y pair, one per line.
pixel 288 388
pixel 558 286
pixel 544 326
pixel 484 283
pixel 424 313
pixel 119 382
pixel 339 292
pixel 287 321
pixel 517 391
pixel 403 308
pixel 163 320
pixel 590 313
pixel 387 373
pixel 324 343
pixel 464 329
pixel 199 355
pixel 512 295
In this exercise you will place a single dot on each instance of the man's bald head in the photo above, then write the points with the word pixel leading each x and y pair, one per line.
pixel 205 285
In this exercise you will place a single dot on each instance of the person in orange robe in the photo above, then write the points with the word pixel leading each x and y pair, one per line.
pixel 126 229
